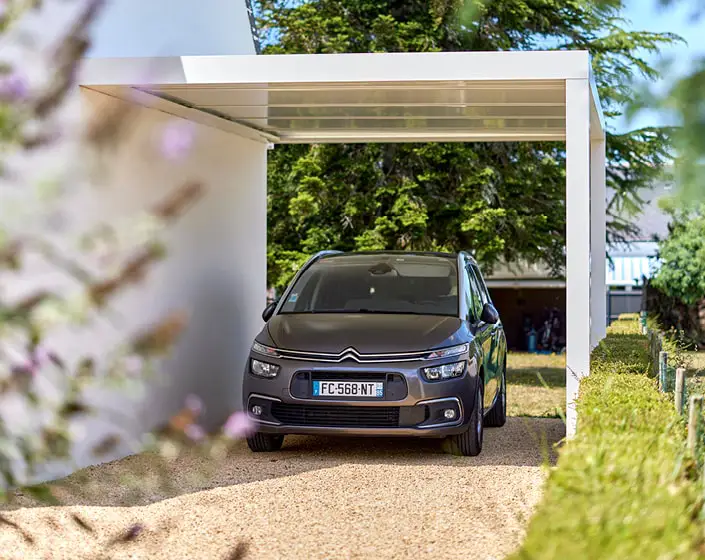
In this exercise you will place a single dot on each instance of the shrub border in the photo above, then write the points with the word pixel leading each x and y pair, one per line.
pixel 624 486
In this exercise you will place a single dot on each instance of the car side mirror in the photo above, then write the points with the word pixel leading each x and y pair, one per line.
pixel 489 314
pixel 269 311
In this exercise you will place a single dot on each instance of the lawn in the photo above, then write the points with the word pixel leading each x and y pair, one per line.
pixel 528 395
pixel 535 384
pixel 696 372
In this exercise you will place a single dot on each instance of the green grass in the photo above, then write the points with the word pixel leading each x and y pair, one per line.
pixel 623 487
pixel 535 384
pixel 695 372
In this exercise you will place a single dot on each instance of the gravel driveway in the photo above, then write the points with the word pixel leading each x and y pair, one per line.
pixel 318 498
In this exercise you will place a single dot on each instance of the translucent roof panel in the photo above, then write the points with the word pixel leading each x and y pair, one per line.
pixel 509 96
pixel 302 112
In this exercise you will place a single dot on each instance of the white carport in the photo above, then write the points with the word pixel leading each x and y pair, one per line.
pixel 419 97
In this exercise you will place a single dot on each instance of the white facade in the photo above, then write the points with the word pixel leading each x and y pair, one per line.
pixel 153 28
pixel 216 265
pixel 215 272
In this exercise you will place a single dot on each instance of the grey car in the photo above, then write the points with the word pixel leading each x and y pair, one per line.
pixel 380 344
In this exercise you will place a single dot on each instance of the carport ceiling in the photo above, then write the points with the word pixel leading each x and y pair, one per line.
pixel 365 97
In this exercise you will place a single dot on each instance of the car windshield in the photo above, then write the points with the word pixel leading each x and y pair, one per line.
pixel 413 284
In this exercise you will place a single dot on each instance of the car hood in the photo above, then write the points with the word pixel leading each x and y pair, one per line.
pixel 367 333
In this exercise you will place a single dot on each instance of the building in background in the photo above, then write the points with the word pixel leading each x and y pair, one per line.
pixel 630 263
pixel 528 296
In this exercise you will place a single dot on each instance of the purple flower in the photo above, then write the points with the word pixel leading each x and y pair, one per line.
pixel 41 356
pixel 26 368
pixel 13 87
pixel 238 425
pixel 194 432
pixel 177 139
pixel 194 404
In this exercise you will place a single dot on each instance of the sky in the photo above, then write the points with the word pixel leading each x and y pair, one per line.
pixel 647 15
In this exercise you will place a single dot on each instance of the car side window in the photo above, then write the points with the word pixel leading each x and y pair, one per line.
pixel 483 287
pixel 475 300
pixel 467 294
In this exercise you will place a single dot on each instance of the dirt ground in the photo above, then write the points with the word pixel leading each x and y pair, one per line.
pixel 319 497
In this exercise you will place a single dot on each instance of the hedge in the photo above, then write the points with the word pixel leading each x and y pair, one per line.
pixel 623 487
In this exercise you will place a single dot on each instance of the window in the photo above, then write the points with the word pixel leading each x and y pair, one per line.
pixel 377 283
pixel 475 302
pixel 484 292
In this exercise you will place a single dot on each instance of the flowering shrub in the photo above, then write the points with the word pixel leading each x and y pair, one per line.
pixel 46 157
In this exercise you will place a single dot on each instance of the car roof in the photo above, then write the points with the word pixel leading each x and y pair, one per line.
pixel 336 254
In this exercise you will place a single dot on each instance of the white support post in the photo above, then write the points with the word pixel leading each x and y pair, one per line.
pixel 577 242
pixel 598 257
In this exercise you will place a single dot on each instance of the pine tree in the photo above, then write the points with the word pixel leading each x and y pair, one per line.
pixel 504 202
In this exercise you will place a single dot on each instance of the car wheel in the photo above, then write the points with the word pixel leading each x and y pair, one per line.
pixel 469 443
pixel 265 442
pixel 497 416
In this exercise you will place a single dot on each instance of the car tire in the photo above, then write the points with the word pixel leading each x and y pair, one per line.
pixel 265 442
pixel 497 416
pixel 469 443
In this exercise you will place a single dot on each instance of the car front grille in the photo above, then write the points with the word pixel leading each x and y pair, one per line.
pixel 352 355
pixel 337 416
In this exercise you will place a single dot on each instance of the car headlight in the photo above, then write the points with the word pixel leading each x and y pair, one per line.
pixel 263 369
pixel 265 350
pixel 450 351
pixel 444 371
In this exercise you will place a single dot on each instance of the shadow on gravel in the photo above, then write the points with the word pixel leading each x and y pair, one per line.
pixel 522 442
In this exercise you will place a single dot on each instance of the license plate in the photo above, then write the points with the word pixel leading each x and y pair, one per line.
pixel 374 389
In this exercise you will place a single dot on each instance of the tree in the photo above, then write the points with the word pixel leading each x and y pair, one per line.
pixel 682 254
pixel 504 202
pixel 676 294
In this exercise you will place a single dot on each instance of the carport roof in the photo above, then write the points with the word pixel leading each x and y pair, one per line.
pixel 381 97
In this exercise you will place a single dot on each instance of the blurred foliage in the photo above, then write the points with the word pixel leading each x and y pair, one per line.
pixel 501 201
pixel 44 395
pixel 684 100
pixel 682 254
pixel 624 486
pixel 688 98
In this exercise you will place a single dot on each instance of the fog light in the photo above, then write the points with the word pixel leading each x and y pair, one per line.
pixel 449 413
pixel 256 410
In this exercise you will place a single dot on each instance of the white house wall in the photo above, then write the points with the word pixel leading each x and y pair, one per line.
pixel 148 28
pixel 215 271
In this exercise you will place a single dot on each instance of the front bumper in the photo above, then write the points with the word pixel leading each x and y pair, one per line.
pixel 411 406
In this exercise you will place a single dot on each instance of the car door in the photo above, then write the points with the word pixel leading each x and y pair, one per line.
pixel 482 332
pixel 495 356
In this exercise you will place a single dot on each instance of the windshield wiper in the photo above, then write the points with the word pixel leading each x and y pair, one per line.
pixel 381 312
pixel 361 311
